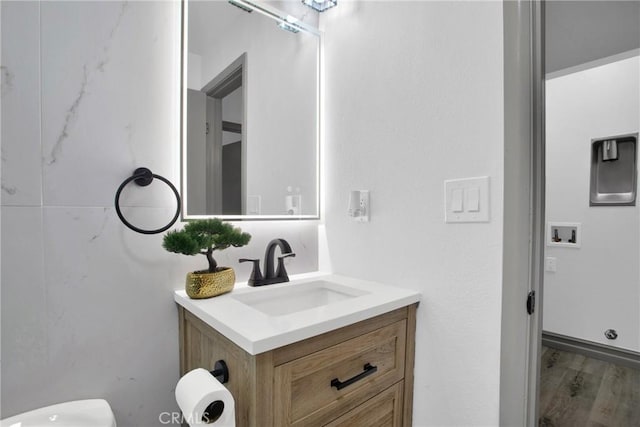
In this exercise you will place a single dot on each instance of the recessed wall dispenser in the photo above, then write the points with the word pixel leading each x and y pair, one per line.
pixel 614 170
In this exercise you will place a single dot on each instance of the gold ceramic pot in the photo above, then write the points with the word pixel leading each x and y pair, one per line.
pixel 201 284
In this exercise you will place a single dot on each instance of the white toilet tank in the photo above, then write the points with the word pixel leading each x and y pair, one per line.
pixel 78 413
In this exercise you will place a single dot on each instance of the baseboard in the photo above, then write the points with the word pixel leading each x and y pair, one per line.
pixel 618 356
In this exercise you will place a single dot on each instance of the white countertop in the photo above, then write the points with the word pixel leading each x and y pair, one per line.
pixel 257 332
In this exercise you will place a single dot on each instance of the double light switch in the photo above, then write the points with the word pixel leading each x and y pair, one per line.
pixel 467 200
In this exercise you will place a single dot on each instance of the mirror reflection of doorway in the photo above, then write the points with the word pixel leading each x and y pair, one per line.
pixel 590 359
pixel 216 143
pixel 232 155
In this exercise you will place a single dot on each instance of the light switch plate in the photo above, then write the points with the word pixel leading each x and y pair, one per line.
pixel 550 264
pixel 475 203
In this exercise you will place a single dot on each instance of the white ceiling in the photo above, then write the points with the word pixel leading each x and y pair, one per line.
pixel 582 31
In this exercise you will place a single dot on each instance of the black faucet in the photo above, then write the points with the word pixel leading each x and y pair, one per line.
pixel 270 276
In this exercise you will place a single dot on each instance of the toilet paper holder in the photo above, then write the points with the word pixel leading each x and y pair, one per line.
pixel 220 371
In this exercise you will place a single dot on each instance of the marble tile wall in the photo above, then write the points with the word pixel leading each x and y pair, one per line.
pixel 89 93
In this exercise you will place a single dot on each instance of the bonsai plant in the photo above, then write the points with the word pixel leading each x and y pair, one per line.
pixel 203 237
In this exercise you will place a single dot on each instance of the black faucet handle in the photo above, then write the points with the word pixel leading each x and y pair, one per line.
pixel 281 272
pixel 256 274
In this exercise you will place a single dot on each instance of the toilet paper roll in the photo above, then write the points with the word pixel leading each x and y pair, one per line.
pixel 204 401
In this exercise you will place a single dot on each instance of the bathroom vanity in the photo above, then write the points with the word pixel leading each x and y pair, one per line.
pixel 321 350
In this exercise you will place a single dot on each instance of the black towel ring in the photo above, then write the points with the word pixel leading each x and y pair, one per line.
pixel 144 177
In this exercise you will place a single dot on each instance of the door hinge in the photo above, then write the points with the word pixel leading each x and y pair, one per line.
pixel 531 302
pixel 206 130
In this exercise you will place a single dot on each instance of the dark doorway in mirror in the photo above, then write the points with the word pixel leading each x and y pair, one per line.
pixel 231 178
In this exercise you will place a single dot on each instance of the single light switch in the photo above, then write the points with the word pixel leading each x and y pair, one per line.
pixel 456 200
pixel 473 199
pixel 550 264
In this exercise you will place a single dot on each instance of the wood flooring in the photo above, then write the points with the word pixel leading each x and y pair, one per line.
pixel 580 391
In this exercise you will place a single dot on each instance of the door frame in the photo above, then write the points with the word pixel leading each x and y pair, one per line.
pixel 234 76
pixel 524 210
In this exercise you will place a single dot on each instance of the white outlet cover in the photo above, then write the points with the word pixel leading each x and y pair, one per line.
pixel 550 264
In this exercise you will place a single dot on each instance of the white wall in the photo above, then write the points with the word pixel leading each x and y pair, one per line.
pixel 596 287
pixel 194 71
pixel 0 217
pixel 90 91
pixel 414 97
pixel 281 103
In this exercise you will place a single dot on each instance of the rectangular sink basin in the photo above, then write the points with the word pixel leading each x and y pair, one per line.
pixel 297 297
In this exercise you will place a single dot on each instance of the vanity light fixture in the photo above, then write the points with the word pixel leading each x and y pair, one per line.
pixel 241 5
pixel 289 23
pixel 320 5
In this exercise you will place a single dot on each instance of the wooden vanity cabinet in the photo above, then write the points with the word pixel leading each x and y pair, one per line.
pixel 358 375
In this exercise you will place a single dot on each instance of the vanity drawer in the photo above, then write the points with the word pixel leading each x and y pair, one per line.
pixel 382 410
pixel 361 367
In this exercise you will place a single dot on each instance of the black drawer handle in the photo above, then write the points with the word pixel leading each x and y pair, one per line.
pixel 368 370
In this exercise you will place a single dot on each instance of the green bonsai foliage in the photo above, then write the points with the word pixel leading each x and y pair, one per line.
pixel 203 237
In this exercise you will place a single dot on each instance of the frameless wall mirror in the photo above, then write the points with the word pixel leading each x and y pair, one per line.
pixel 250 112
